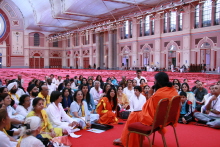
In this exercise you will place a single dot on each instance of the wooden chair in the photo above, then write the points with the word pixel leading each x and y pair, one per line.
pixel 173 115
pixel 158 123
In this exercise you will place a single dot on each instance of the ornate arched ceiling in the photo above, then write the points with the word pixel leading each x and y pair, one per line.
pixel 63 15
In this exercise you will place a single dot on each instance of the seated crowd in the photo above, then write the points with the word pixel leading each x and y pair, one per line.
pixel 55 107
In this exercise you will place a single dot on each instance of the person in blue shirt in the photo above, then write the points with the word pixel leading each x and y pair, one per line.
pixel 88 98
pixel 186 109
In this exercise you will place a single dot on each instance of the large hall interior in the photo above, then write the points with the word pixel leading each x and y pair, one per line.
pixel 63 46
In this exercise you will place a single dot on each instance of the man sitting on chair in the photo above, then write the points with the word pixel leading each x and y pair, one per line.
pixel 163 89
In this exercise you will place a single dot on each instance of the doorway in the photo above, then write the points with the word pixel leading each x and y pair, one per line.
pixel 205 58
pixel 85 63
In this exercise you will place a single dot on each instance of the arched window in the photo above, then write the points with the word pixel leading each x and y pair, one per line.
pixel 180 21
pixel 36 39
pixel 126 29
pixel 165 23
pixel 217 12
pixel 206 13
pixel 147 25
pixel 152 26
pixel 141 27
pixel 173 21
pixel 197 16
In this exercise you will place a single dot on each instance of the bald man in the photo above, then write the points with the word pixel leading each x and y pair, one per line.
pixel 44 95
pixel 200 92
pixel 212 118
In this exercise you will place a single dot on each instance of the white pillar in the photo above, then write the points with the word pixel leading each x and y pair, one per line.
pixel 97 50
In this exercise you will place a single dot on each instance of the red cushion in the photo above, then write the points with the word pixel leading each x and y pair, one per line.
pixel 139 127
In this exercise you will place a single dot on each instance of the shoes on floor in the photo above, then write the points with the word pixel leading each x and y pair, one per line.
pixel 117 142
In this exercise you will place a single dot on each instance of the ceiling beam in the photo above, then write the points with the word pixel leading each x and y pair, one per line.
pixel 79 14
pixel 45 25
pixel 132 4
pixel 64 18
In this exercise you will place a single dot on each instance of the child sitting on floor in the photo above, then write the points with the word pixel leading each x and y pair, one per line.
pixel 186 109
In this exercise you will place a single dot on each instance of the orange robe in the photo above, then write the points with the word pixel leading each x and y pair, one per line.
pixel 146 116
pixel 104 109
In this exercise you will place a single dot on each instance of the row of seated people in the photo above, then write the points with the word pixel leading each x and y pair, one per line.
pixel 39 103
pixel 109 102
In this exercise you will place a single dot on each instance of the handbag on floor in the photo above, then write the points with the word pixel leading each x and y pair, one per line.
pixel 101 126
pixel 124 114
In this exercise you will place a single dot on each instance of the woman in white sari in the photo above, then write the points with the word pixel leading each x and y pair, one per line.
pixel 55 112
pixel 79 110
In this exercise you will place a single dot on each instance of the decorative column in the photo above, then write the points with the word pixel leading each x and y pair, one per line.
pixel 157 59
pixel 110 49
pixel 46 52
pixel 64 44
pixel 90 48
pixel 135 61
pixel 118 57
pixel 97 50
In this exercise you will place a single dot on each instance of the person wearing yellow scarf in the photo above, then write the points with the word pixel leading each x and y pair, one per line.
pixel 79 110
pixel 44 95
pixel 47 130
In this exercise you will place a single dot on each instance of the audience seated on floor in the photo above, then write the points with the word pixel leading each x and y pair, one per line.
pixel 88 98
pixel 96 92
pixel 163 89
pixel 29 132
pixel 212 110
pixel 55 120
pixel 44 94
pixel 139 77
pixel 107 108
pixel 186 109
pixel 24 105
pixel 47 130
pixel 200 92
pixel 58 116
pixel 4 122
pixel 79 110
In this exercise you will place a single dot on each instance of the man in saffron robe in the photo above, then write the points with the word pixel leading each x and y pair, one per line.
pixel 163 89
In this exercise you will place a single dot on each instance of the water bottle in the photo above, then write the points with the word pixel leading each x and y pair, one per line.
pixel 88 120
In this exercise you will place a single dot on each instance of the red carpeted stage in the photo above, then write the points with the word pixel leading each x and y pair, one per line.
pixel 189 136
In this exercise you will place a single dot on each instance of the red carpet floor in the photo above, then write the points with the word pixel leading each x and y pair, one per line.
pixel 189 136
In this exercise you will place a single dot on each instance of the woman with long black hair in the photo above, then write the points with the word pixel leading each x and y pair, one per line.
pixel 106 108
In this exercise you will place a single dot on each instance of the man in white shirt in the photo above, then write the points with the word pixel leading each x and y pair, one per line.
pixel 51 86
pixel 59 81
pixel 20 80
pixel 139 77
pixel 137 100
pixel 212 118
pixel 53 79
pixel 96 92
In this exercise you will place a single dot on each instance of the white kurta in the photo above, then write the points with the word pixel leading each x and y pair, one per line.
pixel 20 92
pixel 128 92
pixel 4 140
pixel 138 80
pixel 74 107
pixel 136 103
pixel 15 99
pixel 95 94
pixel 56 113
pixel 22 111
pixel 51 88
pixel 31 141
